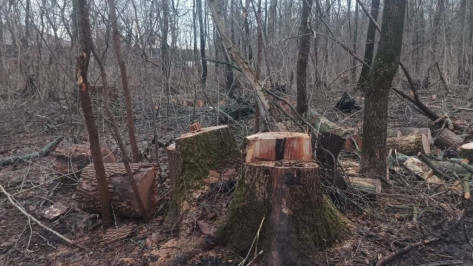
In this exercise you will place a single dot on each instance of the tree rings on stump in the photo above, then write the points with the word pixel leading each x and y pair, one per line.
pixel 275 146
pixel 298 218
pixel 120 189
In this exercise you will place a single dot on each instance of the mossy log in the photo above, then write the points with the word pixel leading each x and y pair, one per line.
pixel 275 146
pixel 299 219
pixel 194 155
pixel 466 152
pixel 409 144
pixel 73 159
pixel 120 189
pixel 448 139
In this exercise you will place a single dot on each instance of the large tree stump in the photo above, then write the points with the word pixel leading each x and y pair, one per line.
pixel 73 159
pixel 298 218
pixel 275 146
pixel 194 155
pixel 120 189
pixel 448 139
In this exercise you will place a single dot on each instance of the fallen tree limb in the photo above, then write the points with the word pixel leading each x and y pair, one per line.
pixel 26 157
pixel 390 257
pixel 22 210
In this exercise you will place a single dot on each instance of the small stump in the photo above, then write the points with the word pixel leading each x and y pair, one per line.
pixel 121 192
pixel 193 156
pixel 466 152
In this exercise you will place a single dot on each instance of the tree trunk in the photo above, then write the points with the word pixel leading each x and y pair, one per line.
pixel 285 200
pixel 384 68
pixel 302 57
pixel 81 68
pixel 165 65
pixel 126 90
pixel 122 193
pixel 369 46
pixel 202 42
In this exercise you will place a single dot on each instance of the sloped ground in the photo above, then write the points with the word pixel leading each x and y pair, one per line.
pixel 406 213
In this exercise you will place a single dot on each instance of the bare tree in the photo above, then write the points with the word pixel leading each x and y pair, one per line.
pixel 83 86
pixel 124 77
pixel 377 89
pixel 302 58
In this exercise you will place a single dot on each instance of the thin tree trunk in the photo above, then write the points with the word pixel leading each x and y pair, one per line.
pixel 377 88
pixel 81 68
pixel 165 54
pixel 355 37
pixel 369 46
pixel 302 58
pixel 126 90
pixel 202 42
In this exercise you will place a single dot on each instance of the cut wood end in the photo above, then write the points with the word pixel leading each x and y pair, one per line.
pixel 203 130
pixel 277 135
pixel 467 146
pixel 195 127
pixel 171 147
pixel 285 164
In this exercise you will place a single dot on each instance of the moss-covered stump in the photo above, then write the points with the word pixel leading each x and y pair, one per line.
pixel 194 155
pixel 299 220
pixel 124 202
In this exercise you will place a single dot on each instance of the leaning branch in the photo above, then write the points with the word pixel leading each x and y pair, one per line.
pixel 26 157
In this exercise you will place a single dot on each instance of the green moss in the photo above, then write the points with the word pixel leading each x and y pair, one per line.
pixel 215 150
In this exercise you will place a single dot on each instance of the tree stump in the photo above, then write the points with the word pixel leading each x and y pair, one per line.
pixel 275 146
pixel 73 159
pixel 448 139
pixel 194 155
pixel 298 218
pixel 121 192
pixel 466 152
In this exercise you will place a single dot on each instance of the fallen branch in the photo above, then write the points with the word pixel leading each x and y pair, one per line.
pixel 437 171
pixel 26 157
pixel 22 210
pixel 401 251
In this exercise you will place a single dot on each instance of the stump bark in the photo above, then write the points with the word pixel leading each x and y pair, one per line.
pixel 448 139
pixel 73 159
pixel 194 155
pixel 121 192
pixel 298 218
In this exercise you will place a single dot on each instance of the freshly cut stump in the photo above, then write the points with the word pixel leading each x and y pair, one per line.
pixel 275 146
pixel 73 159
pixel 194 155
pixel 466 152
pixel 298 218
pixel 120 189
pixel 448 139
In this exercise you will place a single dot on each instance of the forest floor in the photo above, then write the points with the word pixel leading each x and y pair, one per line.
pixel 431 223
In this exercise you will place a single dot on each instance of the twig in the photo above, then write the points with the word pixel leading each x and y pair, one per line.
pixel 30 217
pixel 26 157
pixel 401 251
pixel 253 243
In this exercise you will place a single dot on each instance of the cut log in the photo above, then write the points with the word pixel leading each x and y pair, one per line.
pixel 275 146
pixel 73 159
pixel 121 192
pixel 447 139
pixel 466 152
pixel 193 156
pixel 298 219
pixel 409 144
pixel 405 131
pixel 368 187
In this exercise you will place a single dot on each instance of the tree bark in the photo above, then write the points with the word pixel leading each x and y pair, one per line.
pixel 126 90
pixel 369 46
pixel 202 42
pixel 302 58
pixel 384 68
pixel 81 69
